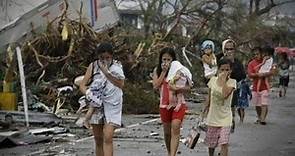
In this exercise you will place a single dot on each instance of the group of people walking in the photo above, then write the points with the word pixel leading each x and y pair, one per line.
pixel 224 75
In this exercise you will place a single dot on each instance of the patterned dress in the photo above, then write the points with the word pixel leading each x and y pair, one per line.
pixel 112 98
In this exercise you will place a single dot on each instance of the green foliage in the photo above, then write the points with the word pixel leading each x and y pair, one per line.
pixel 139 99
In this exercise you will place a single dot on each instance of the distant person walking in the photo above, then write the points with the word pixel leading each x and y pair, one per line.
pixel 265 66
pixel 171 118
pixel 260 97
pixel 284 65
pixel 219 116
pixel 244 96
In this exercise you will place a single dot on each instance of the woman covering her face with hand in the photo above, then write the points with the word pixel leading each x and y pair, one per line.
pixel 107 117
pixel 171 118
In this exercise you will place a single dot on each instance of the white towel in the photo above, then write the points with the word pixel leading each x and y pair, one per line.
pixel 174 67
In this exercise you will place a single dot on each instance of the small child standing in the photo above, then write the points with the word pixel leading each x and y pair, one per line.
pixel 244 96
pixel 265 66
pixel 208 59
pixel 178 76
pixel 218 109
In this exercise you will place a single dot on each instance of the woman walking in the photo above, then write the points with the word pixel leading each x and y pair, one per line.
pixel 171 117
pixel 106 118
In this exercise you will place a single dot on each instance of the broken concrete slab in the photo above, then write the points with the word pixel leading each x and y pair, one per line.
pixel 23 137
pixel 34 117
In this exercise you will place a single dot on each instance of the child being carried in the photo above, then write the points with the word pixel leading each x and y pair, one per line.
pixel 94 96
pixel 178 76
pixel 209 59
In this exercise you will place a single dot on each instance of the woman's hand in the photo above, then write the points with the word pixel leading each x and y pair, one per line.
pixel 103 67
pixel 158 79
pixel 222 77
pixel 173 88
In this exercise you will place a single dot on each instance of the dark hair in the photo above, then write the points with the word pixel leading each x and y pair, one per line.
pixel 169 51
pixel 259 49
pixel 268 50
pixel 224 61
pixel 285 57
pixel 104 47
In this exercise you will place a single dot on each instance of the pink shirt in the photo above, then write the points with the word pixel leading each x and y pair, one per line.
pixel 164 95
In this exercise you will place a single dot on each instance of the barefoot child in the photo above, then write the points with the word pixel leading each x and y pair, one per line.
pixel 219 117
pixel 244 96
pixel 178 76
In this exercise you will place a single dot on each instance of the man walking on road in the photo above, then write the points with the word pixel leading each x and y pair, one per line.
pixel 260 97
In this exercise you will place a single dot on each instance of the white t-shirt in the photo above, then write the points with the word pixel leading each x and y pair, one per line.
pixel 209 71
pixel 266 67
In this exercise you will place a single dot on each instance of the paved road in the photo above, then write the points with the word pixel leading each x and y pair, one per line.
pixel 277 138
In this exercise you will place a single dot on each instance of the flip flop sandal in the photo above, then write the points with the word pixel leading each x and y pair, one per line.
pixel 263 123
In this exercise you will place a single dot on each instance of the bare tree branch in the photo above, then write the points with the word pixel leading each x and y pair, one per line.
pixel 267 8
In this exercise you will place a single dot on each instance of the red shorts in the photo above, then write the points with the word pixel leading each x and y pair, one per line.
pixel 169 115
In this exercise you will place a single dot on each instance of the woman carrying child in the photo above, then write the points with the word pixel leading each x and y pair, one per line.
pixel 171 118
pixel 265 66
pixel 105 110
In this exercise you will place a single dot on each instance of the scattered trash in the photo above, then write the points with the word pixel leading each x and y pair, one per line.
pixel 80 121
pixel 154 134
pixel 40 107
pixel 54 130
